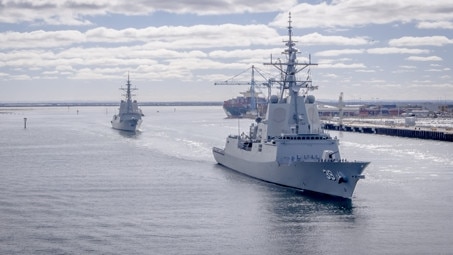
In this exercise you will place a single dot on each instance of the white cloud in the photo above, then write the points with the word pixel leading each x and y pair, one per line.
pixel 435 25
pixel 430 58
pixel 366 71
pixel 332 53
pixel 318 39
pixel 352 13
pixel 242 53
pixel 199 36
pixel 411 41
pixel 77 12
pixel 40 39
pixel 394 50
pixel 331 75
pixel 151 46
pixel 402 71
pixel 20 77
pixel 327 65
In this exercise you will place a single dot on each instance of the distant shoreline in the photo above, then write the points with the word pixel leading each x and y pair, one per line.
pixel 72 104
pixel 213 103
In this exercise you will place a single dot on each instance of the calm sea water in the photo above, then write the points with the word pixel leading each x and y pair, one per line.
pixel 69 184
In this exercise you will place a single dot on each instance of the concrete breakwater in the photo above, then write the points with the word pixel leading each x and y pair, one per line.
pixel 413 132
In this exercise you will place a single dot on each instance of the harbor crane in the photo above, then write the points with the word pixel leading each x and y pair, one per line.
pixel 252 84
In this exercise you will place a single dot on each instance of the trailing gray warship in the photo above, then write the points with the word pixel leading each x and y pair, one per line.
pixel 289 146
pixel 129 117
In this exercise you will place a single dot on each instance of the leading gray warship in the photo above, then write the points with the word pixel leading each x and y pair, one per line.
pixel 289 146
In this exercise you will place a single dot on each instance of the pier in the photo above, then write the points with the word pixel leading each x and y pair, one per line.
pixel 409 132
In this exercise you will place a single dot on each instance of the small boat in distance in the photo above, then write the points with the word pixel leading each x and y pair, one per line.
pixel 129 117
pixel 289 146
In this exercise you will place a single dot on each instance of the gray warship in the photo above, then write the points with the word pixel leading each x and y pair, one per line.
pixel 289 147
pixel 129 117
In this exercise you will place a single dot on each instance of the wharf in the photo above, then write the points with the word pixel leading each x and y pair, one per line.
pixel 430 133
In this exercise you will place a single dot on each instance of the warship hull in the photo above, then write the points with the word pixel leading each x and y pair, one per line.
pixel 130 124
pixel 337 179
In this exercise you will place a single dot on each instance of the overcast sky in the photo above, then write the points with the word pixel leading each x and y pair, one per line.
pixel 83 50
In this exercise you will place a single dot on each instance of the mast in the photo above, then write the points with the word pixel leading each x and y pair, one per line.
pixel 289 83
pixel 128 89
pixel 252 91
pixel 128 95
pixel 288 80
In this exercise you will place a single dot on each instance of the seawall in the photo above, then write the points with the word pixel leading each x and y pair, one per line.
pixel 395 131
